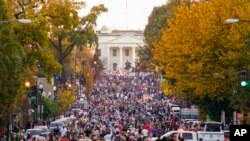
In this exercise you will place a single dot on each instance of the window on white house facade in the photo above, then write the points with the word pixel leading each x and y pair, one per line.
pixel 127 52
pixel 114 52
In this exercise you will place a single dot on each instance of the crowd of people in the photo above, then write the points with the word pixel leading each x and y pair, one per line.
pixel 121 108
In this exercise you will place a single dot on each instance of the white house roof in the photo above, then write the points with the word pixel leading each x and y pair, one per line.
pixel 105 39
pixel 124 39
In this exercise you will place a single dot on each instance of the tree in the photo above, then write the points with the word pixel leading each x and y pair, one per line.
pixel 50 108
pixel 34 37
pixel 55 24
pixel 202 52
pixel 89 75
pixel 97 64
pixel 145 58
pixel 70 30
pixel 157 22
pixel 66 98
pixel 12 63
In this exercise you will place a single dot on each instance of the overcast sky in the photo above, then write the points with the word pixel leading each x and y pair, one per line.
pixel 137 13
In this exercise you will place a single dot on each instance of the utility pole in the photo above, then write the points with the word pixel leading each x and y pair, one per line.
pixel 126 15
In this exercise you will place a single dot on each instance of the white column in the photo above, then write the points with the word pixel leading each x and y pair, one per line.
pixel 121 62
pixel 108 59
pixel 133 57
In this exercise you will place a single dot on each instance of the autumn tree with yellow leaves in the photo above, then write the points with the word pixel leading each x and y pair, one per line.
pixel 157 21
pixel 204 54
pixel 66 98
pixel 89 75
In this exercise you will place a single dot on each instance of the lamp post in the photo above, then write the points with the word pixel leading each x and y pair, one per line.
pixel 23 21
pixel 55 94
pixel 49 94
pixel 27 85
pixel 243 82
pixel 40 100
pixel 234 20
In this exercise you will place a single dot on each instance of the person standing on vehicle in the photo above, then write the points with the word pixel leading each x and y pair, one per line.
pixel 63 131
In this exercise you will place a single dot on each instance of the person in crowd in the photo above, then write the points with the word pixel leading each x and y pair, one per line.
pixel 121 107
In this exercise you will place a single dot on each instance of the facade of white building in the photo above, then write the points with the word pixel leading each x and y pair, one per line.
pixel 117 47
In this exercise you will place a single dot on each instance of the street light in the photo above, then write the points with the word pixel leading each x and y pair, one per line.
pixel 44 94
pixel 55 95
pixel 69 85
pixel 23 21
pixel 27 84
pixel 54 88
pixel 236 20
pixel 49 94
pixel 40 86
pixel 40 101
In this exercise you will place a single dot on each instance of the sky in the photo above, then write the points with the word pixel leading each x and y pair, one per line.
pixel 136 18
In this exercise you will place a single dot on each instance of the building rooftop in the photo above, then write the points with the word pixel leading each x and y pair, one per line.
pixel 105 31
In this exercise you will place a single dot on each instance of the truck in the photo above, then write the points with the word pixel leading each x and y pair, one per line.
pixel 211 131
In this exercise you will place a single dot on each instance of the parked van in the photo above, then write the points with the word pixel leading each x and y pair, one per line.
pixel 175 110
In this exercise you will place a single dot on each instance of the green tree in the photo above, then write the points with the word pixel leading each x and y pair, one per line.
pixel 12 63
pixel 34 37
pixel 50 108
pixel 157 22
pixel 97 64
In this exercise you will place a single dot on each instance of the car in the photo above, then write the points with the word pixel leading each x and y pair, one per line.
pixel 65 120
pixel 55 124
pixel 45 130
pixel 33 132
pixel 59 117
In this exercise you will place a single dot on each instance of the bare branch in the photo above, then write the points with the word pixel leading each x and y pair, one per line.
pixel 53 44
pixel 68 50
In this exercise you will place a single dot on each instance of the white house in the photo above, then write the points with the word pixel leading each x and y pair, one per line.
pixel 116 47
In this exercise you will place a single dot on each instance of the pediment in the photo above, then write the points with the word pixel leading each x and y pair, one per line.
pixel 126 39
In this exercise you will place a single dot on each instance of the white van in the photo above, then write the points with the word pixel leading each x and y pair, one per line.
pixel 175 110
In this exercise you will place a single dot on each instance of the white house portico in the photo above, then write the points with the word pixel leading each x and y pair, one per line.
pixel 118 47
